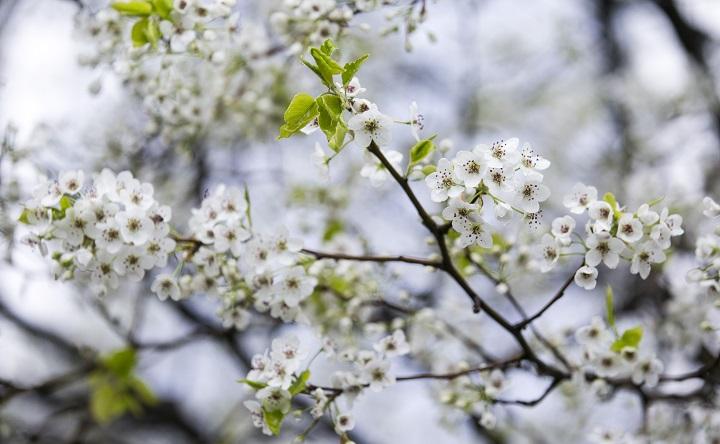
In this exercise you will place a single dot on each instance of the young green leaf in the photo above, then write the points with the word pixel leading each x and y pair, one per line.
pixel 163 8
pixel 300 383
pixel 421 150
pixel 609 307
pixel 326 65
pixel 137 8
pixel 138 33
pixel 328 47
pixel 302 110
pixel 273 420
pixel 610 198
pixel 630 338
pixel 23 219
pixel 351 68
pixel 254 384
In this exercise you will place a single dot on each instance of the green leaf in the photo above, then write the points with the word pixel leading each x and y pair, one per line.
pixel 105 404
pixel 609 307
pixel 300 383
pixel 138 8
pixel 330 109
pixel 152 32
pixel 302 110
pixel 420 151
pixel 65 202
pixel 23 219
pixel 121 363
pixel 326 66
pixel 328 47
pixel 163 8
pixel 429 169
pixel 273 420
pixel 254 384
pixel 610 198
pixel 334 227
pixel 138 32
pixel 336 141
pixel 351 68
pixel 142 391
pixel 630 338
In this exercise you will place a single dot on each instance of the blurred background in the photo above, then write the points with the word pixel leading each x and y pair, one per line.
pixel 624 95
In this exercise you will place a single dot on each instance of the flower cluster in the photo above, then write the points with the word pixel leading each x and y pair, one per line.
pixel 310 22
pixel 611 233
pixel 241 268
pixel 276 377
pixel 609 355
pixel 113 228
pixel 273 373
pixel 707 252
pixel 500 175
pixel 204 70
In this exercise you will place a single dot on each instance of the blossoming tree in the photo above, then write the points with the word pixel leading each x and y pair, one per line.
pixel 344 331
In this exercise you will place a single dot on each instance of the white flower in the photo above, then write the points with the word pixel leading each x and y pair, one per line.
pixel 371 126
pixel 352 89
pixel 108 236
pixel 711 208
pixel 562 228
pixel 256 411
pixel 488 420
pixel 344 422
pixel 470 167
pixel 629 229
pixel 646 254
pixel 132 263
pixel 595 335
pixel 321 161
pixel 135 226
pixel 673 222
pixel 580 197
pixel 166 286
pixel 138 195
pixel 549 252
pixel 531 163
pixel 73 226
pixel 661 234
pixel 287 349
pixel 586 277
pixel 458 210
pixel 293 285
pixel 601 212
pixel 158 248
pixel 529 192
pixel 376 171
pixel 607 364
pixel 473 231
pixel 102 273
pixel 442 182
pixel 321 400
pixel 393 345
pixel 647 370
pixel 70 182
pixel 274 399
pixel 377 373
pixel 416 121
pixel 231 237
pixel 498 180
pixel 501 153
pixel 646 215
pixel 603 248
pixel 495 383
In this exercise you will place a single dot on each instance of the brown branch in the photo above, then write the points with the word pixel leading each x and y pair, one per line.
pixel 558 295
pixel 379 259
